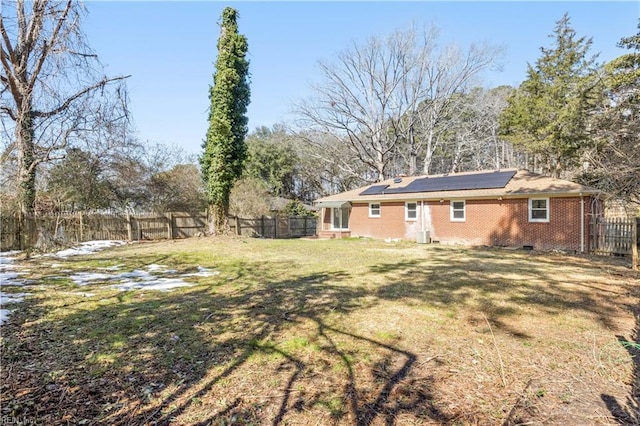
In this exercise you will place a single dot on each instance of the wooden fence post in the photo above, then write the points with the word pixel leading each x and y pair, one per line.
pixel 238 230
pixel 129 228
pixel 81 227
pixel 20 229
pixel 169 217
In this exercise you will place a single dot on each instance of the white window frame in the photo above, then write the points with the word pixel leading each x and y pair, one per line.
pixel 406 211
pixel 452 210
pixel 531 209
pixel 333 227
pixel 371 209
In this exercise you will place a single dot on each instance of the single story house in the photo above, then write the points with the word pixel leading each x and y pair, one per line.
pixel 514 208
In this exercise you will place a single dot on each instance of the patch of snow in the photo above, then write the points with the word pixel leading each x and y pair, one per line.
pixel 84 278
pixel 134 280
pixel 136 273
pixel 89 247
pixel 9 278
pixel 155 267
pixel 161 284
pixel 203 272
pixel 12 297
pixel 6 298
pixel 8 256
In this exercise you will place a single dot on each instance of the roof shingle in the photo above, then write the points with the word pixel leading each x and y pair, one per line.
pixel 523 184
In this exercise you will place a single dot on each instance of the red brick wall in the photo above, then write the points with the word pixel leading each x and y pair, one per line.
pixel 390 224
pixel 488 222
pixel 506 223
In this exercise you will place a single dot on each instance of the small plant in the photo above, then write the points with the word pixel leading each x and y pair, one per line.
pixel 632 345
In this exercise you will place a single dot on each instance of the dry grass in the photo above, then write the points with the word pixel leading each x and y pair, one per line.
pixel 328 332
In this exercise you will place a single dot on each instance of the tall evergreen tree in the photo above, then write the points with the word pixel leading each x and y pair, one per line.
pixel 224 148
pixel 547 115
pixel 614 160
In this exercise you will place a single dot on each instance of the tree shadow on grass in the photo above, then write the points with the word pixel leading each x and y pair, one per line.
pixel 628 413
pixel 216 352
pixel 496 283
pixel 154 358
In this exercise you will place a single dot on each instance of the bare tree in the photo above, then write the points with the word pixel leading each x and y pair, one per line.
pixel 386 99
pixel 451 72
pixel 53 93
pixel 471 140
pixel 367 95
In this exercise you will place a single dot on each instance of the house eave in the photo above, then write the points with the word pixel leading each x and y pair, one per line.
pixel 333 204
pixel 467 196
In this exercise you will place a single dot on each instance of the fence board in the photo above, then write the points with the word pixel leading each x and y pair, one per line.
pixel 86 226
pixel 613 236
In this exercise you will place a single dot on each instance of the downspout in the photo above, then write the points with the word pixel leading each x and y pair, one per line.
pixel 422 216
pixel 581 223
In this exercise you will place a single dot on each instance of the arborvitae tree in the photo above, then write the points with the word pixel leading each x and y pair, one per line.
pixel 547 116
pixel 224 148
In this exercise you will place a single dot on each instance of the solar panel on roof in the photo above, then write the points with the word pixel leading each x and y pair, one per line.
pixel 488 180
pixel 458 183
pixel 375 190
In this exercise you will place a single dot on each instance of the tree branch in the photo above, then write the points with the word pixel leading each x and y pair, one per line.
pixel 69 100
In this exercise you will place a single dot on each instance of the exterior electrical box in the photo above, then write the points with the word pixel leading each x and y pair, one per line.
pixel 423 237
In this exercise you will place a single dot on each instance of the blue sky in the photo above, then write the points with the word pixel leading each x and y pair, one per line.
pixel 169 48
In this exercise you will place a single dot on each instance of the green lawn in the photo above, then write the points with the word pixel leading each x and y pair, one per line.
pixel 325 332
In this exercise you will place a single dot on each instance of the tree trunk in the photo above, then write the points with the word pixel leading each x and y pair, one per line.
pixel 218 220
pixel 413 154
pixel 26 167
pixel 428 156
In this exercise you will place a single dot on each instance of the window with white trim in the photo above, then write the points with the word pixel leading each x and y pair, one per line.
pixel 538 210
pixel 340 218
pixel 458 210
pixel 411 211
pixel 374 209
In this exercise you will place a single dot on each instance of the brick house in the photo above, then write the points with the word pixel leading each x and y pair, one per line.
pixel 515 208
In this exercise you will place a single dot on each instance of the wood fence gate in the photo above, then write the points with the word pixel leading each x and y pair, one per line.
pixel 614 236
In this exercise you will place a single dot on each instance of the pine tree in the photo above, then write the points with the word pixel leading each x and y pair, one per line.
pixel 614 159
pixel 224 148
pixel 547 116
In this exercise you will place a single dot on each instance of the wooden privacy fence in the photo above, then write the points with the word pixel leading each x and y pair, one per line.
pixel 275 227
pixel 78 227
pixel 614 236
